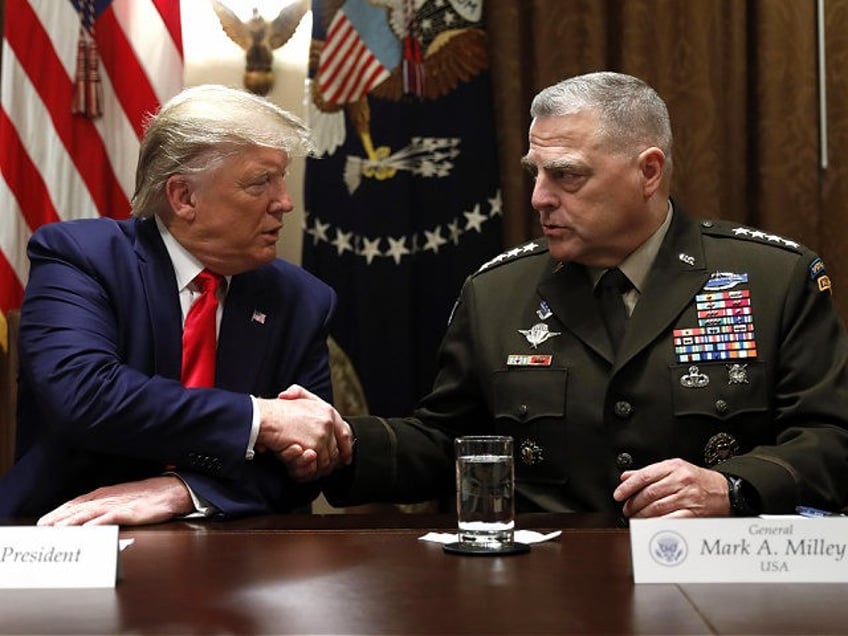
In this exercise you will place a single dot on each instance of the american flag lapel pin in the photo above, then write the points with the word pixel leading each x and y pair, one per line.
pixel 258 316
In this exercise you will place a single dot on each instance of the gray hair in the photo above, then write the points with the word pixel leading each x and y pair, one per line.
pixel 631 115
pixel 199 128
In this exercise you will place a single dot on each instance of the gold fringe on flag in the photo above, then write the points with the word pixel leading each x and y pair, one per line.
pixel 88 92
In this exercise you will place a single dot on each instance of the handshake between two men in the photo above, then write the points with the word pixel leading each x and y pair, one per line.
pixel 306 433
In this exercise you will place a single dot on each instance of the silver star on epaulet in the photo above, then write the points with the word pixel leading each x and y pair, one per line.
pixel 758 234
pixel 510 254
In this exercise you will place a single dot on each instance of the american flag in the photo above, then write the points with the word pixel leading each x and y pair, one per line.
pixel 113 60
pixel 358 53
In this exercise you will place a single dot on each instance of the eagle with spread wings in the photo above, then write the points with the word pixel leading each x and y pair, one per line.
pixel 259 37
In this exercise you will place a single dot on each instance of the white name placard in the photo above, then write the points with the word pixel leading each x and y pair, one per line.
pixel 58 557
pixel 784 549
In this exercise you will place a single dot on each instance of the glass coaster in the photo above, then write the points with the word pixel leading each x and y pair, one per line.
pixel 483 550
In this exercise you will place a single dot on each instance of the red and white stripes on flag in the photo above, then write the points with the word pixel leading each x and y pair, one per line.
pixel 56 165
pixel 348 68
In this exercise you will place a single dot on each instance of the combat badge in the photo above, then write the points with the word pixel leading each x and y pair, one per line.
pixel 724 280
pixel 719 447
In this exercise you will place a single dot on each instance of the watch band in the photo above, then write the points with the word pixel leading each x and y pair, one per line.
pixel 740 506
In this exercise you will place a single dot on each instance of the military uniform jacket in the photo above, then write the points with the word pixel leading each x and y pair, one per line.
pixel 734 358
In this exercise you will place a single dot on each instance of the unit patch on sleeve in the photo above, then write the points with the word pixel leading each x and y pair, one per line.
pixel 819 275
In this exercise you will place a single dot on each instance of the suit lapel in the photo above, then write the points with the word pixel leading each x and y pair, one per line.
pixel 676 276
pixel 163 304
pixel 252 313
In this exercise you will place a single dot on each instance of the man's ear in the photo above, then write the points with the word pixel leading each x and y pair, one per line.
pixel 180 194
pixel 652 167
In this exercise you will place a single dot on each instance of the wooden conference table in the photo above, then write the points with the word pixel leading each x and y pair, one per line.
pixel 368 574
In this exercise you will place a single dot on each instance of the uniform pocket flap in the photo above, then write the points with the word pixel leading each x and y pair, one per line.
pixel 526 394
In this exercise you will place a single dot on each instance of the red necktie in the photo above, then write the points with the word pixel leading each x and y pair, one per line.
pixel 199 339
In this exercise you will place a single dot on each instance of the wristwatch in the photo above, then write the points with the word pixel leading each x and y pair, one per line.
pixel 741 504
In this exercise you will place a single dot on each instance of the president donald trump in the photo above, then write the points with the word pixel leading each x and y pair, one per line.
pixel 168 361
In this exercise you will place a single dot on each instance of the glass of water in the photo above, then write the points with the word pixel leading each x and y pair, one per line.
pixel 485 485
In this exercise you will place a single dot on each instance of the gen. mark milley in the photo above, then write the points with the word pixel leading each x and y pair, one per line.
pixel 734 359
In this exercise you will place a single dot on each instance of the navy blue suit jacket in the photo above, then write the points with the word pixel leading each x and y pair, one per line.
pixel 99 399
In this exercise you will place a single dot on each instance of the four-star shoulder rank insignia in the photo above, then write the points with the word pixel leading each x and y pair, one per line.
pixel 774 239
pixel 504 257
pixel 725 228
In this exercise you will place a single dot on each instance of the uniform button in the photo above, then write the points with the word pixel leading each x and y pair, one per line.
pixel 623 409
pixel 721 406
pixel 522 410
pixel 623 461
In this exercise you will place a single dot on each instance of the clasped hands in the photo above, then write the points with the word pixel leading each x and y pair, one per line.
pixel 673 488
pixel 305 432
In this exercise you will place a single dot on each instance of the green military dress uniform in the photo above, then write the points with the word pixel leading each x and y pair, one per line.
pixel 734 358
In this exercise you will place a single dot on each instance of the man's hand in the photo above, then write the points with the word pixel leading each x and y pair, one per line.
pixel 673 488
pixel 308 434
pixel 133 503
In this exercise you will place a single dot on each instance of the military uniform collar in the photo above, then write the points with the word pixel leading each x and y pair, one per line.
pixel 637 266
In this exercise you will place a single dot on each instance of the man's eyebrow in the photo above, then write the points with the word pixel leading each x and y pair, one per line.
pixel 561 163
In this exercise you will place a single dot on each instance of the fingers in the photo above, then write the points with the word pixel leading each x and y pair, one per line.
pixel 132 503
pixel 344 439
pixel 294 392
pixel 635 481
pixel 305 467
pixel 66 514
pixel 297 392
pixel 77 513
pixel 291 453
pixel 672 488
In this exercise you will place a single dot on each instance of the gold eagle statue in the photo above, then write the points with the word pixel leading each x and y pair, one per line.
pixel 259 37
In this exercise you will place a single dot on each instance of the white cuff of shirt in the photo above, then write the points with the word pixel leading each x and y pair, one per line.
pixel 202 508
pixel 254 431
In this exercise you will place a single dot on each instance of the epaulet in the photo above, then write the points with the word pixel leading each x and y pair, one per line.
pixel 734 230
pixel 528 249
pixel 817 271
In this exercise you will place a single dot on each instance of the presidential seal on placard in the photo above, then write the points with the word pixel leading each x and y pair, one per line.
pixel 668 548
